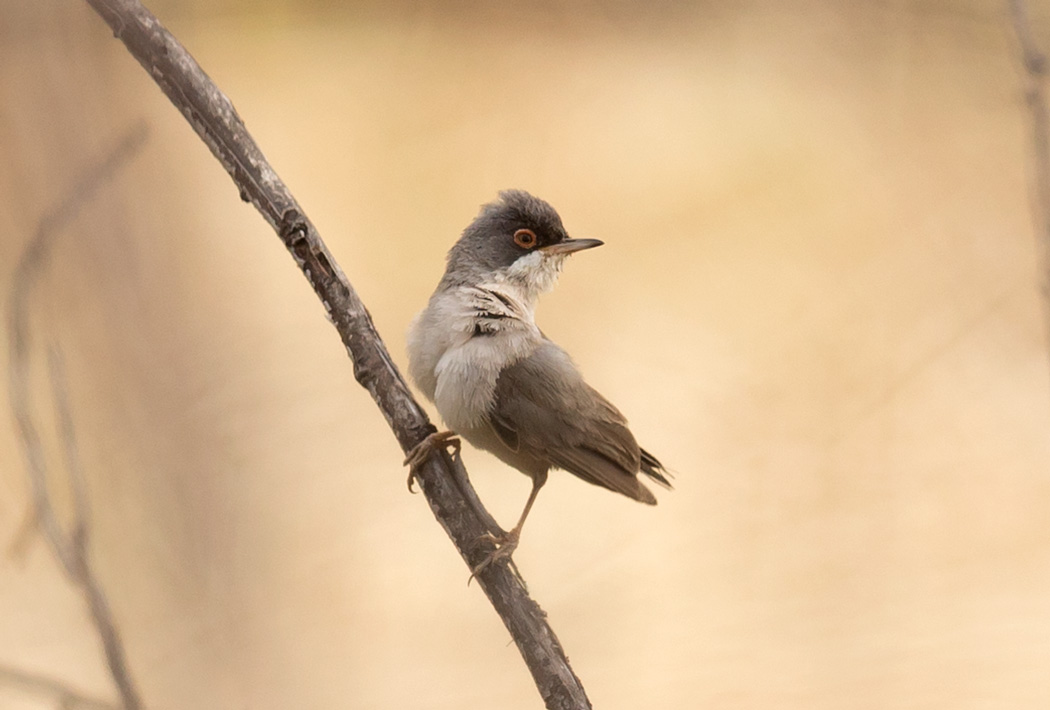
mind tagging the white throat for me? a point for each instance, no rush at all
(530, 276)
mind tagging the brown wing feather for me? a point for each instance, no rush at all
(544, 409)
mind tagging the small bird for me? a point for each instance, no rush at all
(498, 381)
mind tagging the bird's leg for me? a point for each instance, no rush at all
(422, 451)
(509, 542)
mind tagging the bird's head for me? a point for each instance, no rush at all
(518, 240)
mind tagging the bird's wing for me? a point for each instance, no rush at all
(543, 408)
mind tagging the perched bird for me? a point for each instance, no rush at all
(497, 381)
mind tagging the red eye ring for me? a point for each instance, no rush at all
(525, 238)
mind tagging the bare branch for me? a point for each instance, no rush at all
(70, 548)
(214, 119)
(65, 696)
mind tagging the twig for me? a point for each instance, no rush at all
(1035, 65)
(65, 696)
(213, 117)
(78, 536)
(70, 548)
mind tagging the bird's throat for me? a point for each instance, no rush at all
(531, 275)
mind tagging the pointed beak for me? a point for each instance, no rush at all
(569, 246)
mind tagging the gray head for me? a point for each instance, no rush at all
(519, 238)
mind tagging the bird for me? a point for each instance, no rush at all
(497, 381)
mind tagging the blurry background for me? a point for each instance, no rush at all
(817, 303)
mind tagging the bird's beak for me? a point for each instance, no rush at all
(568, 246)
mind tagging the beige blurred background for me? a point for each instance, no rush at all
(817, 304)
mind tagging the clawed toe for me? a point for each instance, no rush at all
(505, 546)
(422, 451)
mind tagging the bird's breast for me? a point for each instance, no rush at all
(467, 375)
(459, 345)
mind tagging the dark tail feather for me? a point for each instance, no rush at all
(655, 470)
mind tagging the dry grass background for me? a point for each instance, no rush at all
(817, 303)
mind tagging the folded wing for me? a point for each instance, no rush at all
(544, 409)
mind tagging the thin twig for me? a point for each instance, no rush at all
(1035, 65)
(213, 117)
(65, 696)
(78, 536)
(69, 547)
(101, 614)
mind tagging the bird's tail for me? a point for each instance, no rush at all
(655, 470)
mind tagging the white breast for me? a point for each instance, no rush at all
(453, 363)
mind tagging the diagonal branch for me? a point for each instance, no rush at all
(447, 491)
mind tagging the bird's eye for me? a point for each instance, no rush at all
(525, 238)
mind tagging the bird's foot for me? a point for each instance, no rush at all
(505, 546)
(422, 451)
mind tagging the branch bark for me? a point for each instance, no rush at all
(447, 490)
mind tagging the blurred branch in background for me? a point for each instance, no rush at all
(448, 491)
(69, 546)
(65, 698)
(1035, 95)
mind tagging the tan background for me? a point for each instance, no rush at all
(817, 304)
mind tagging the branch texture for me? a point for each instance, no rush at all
(449, 493)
